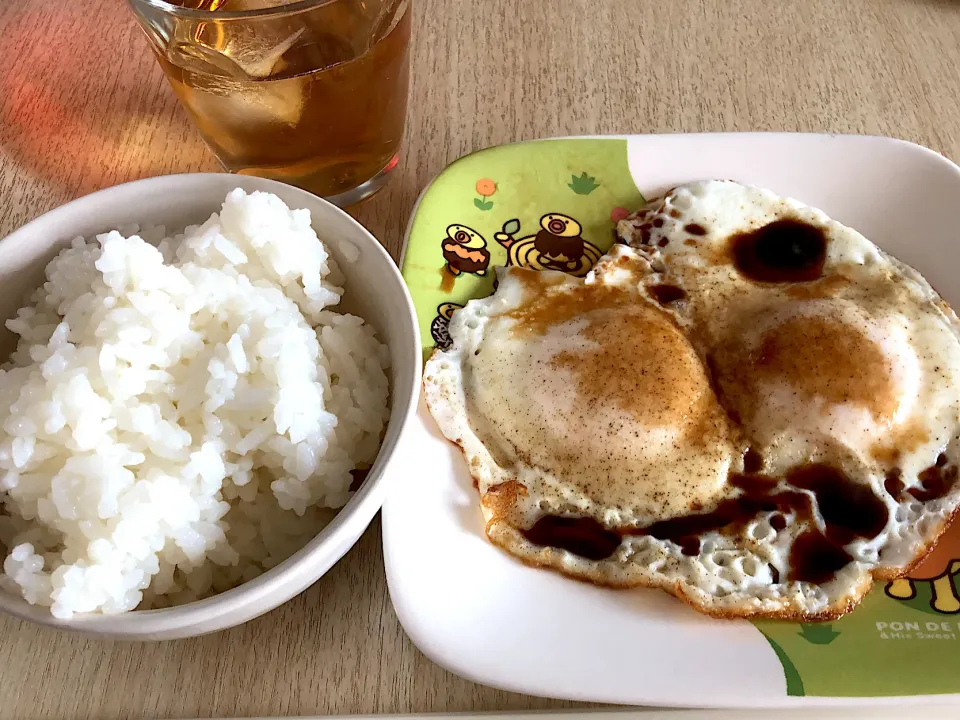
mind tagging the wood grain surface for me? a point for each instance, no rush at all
(83, 105)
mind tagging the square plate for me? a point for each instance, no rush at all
(475, 610)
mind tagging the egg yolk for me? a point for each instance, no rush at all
(597, 386)
(810, 373)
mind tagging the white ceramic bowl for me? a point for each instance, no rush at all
(374, 290)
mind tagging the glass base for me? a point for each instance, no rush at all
(309, 182)
(364, 190)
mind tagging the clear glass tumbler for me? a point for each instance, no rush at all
(312, 92)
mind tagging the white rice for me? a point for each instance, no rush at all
(176, 421)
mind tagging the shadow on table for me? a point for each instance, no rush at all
(83, 103)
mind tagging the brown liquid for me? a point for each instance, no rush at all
(936, 480)
(814, 559)
(447, 279)
(849, 510)
(323, 109)
(730, 515)
(783, 251)
(582, 536)
(894, 485)
(753, 483)
(665, 294)
(752, 461)
(644, 231)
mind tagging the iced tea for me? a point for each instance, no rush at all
(313, 94)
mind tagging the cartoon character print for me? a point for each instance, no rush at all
(938, 569)
(465, 251)
(439, 328)
(557, 245)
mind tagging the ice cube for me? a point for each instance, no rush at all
(259, 62)
(234, 49)
(231, 105)
(204, 60)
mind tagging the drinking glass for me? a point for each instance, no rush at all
(312, 92)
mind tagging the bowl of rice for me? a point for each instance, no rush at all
(204, 380)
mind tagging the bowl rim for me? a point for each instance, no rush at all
(361, 507)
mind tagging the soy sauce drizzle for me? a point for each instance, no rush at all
(780, 252)
(935, 482)
(893, 484)
(665, 294)
(752, 461)
(582, 536)
(849, 510)
(814, 559)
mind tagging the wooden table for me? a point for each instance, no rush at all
(83, 106)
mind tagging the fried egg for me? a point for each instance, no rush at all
(747, 404)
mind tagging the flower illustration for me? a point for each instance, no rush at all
(485, 188)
